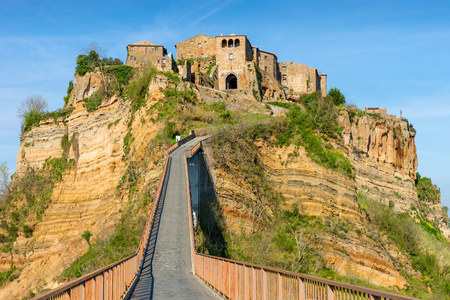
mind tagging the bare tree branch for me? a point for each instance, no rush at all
(32, 104)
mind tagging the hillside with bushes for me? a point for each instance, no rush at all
(308, 185)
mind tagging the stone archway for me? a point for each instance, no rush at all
(231, 82)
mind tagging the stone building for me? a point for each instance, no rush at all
(230, 62)
(301, 79)
(199, 46)
(266, 61)
(236, 58)
(146, 52)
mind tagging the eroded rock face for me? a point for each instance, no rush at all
(383, 152)
(84, 87)
(86, 198)
(318, 192)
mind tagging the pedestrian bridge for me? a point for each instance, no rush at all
(167, 266)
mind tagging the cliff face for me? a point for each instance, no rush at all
(383, 152)
(318, 192)
(384, 155)
(87, 197)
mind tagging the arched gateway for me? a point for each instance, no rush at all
(231, 82)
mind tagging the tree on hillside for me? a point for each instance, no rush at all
(32, 104)
(30, 110)
(94, 59)
(338, 97)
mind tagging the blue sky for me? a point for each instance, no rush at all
(392, 54)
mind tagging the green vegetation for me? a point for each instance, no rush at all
(107, 250)
(109, 247)
(127, 141)
(302, 128)
(338, 97)
(122, 75)
(138, 89)
(283, 104)
(409, 237)
(353, 113)
(9, 275)
(33, 190)
(94, 101)
(426, 190)
(87, 63)
(86, 235)
(208, 72)
(69, 90)
(33, 111)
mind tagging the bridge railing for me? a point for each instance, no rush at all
(240, 280)
(113, 281)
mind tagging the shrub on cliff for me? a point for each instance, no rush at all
(31, 110)
(338, 97)
(426, 190)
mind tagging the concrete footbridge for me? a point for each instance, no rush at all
(167, 266)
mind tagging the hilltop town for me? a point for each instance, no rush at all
(333, 188)
(231, 63)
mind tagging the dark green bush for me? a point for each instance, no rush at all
(27, 231)
(127, 141)
(122, 73)
(33, 118)
(338, 97)
(69, 90)
(94, 101)
(426, 190)
(138, 89)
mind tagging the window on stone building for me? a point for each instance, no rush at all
(131, 57)
(284, 67)
(203, 55)
(156, 48)
(199, 45)
(224, 43)
(131, 48)
(265, 68)
(231, 56)
(236, 43)
(284, 77)
(192, 42)
(164, 61)
(265, 56)
(192, 56)
(145, 50)
(230, 43)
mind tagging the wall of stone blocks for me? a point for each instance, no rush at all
(233, 60)
(268, 63)
(197, 47)
(323, 84)
(139, 55)
(299, 78)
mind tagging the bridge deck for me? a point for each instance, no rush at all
(167, 266)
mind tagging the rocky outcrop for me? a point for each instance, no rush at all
(383, 152)
(318, 192)
(87, 197)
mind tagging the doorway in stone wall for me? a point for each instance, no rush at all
(231, 82)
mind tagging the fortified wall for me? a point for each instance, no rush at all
(229, 62)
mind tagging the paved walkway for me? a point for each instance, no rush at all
(167, 268)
